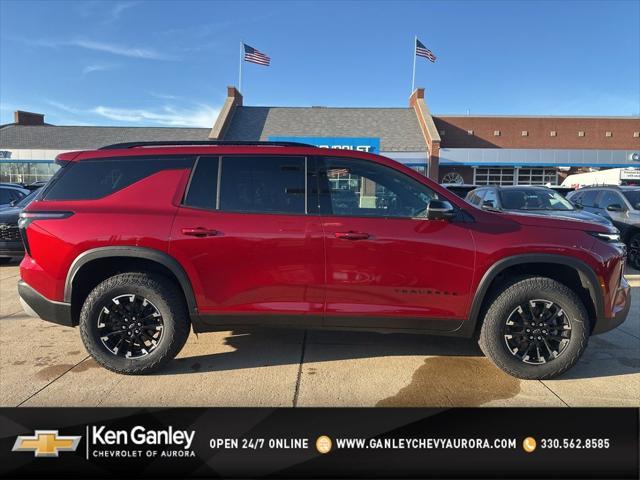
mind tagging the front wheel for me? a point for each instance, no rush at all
(536, 329)
(134, 323)
(634, 251)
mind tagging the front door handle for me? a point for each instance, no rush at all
(352, 235)
(199, 232)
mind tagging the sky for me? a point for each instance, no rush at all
(167, 63)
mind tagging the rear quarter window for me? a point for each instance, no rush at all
(93, 179)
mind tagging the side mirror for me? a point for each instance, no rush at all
(440, 210)
(13, 203)
(615, 207)
(490, 204)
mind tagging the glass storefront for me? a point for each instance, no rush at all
(27, 172)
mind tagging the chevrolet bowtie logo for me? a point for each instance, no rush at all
(45, 443)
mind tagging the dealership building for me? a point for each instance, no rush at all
(473, 149)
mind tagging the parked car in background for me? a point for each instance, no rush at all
(10, 241)
(460, 189)
(621, 205)
(534, 200)
(10, 192)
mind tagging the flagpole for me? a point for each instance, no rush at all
(240, 74)
(413, 77)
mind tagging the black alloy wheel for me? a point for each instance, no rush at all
(537, 331)
(130, 326)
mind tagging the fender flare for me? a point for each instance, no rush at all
(157, 256)
(588, 278)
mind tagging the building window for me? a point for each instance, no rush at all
(608, 134)
(553, 133)
(525, 133)
(537, 176)
(581, 133)
(496, 133)
(469, 132)
(493, 176)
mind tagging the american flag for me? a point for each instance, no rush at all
(254, 56)
(423, 51)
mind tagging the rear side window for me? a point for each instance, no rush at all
(263, 184)
(93, 179)
(203, 188)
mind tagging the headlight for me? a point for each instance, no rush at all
(607, 237)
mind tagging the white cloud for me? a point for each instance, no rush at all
(107, 47)
(119, 8)
(115, 49)
(200, 116)
(97, 68)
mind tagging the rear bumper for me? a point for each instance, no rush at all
(37, 305)
(621, 307)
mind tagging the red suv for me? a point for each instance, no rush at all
(139, 243)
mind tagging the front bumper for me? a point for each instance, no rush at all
(11, 249)
(37, 305)
(621, 307)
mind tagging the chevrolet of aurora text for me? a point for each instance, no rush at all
(139, 243)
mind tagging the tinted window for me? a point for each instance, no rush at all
(475, 197)
(92, 179)
(610, 198)
(533, 199)
(263, 184)
(203, 188)
(588, 198)
(634, 198)
(361, 188)
(6, 195)
(492, 197)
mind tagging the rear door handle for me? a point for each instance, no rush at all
(199, 232)
(352, 235)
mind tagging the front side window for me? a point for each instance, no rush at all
(491, 197)
(610, 198)
(475, 197)
(360, 188)
(588, 199)
(263, 184)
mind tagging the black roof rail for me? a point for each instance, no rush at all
(122, 146)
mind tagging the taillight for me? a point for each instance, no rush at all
(26, 218)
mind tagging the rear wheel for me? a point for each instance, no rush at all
(537, 328)
(134, 323)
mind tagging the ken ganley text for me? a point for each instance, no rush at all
(168, 442)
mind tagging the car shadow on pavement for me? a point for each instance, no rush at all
(262, 347)
(272, 347)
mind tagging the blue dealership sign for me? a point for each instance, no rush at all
(361, 144)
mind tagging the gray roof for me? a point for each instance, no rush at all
(86, 138)
(397, 128)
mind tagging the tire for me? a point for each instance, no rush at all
(534, 295)
(634, 251)
(101, 310)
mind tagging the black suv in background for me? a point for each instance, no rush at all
(621, 205)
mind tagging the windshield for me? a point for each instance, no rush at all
(533, 199)
(634, 198)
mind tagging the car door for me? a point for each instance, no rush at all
(244, 236)
(388, 267)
